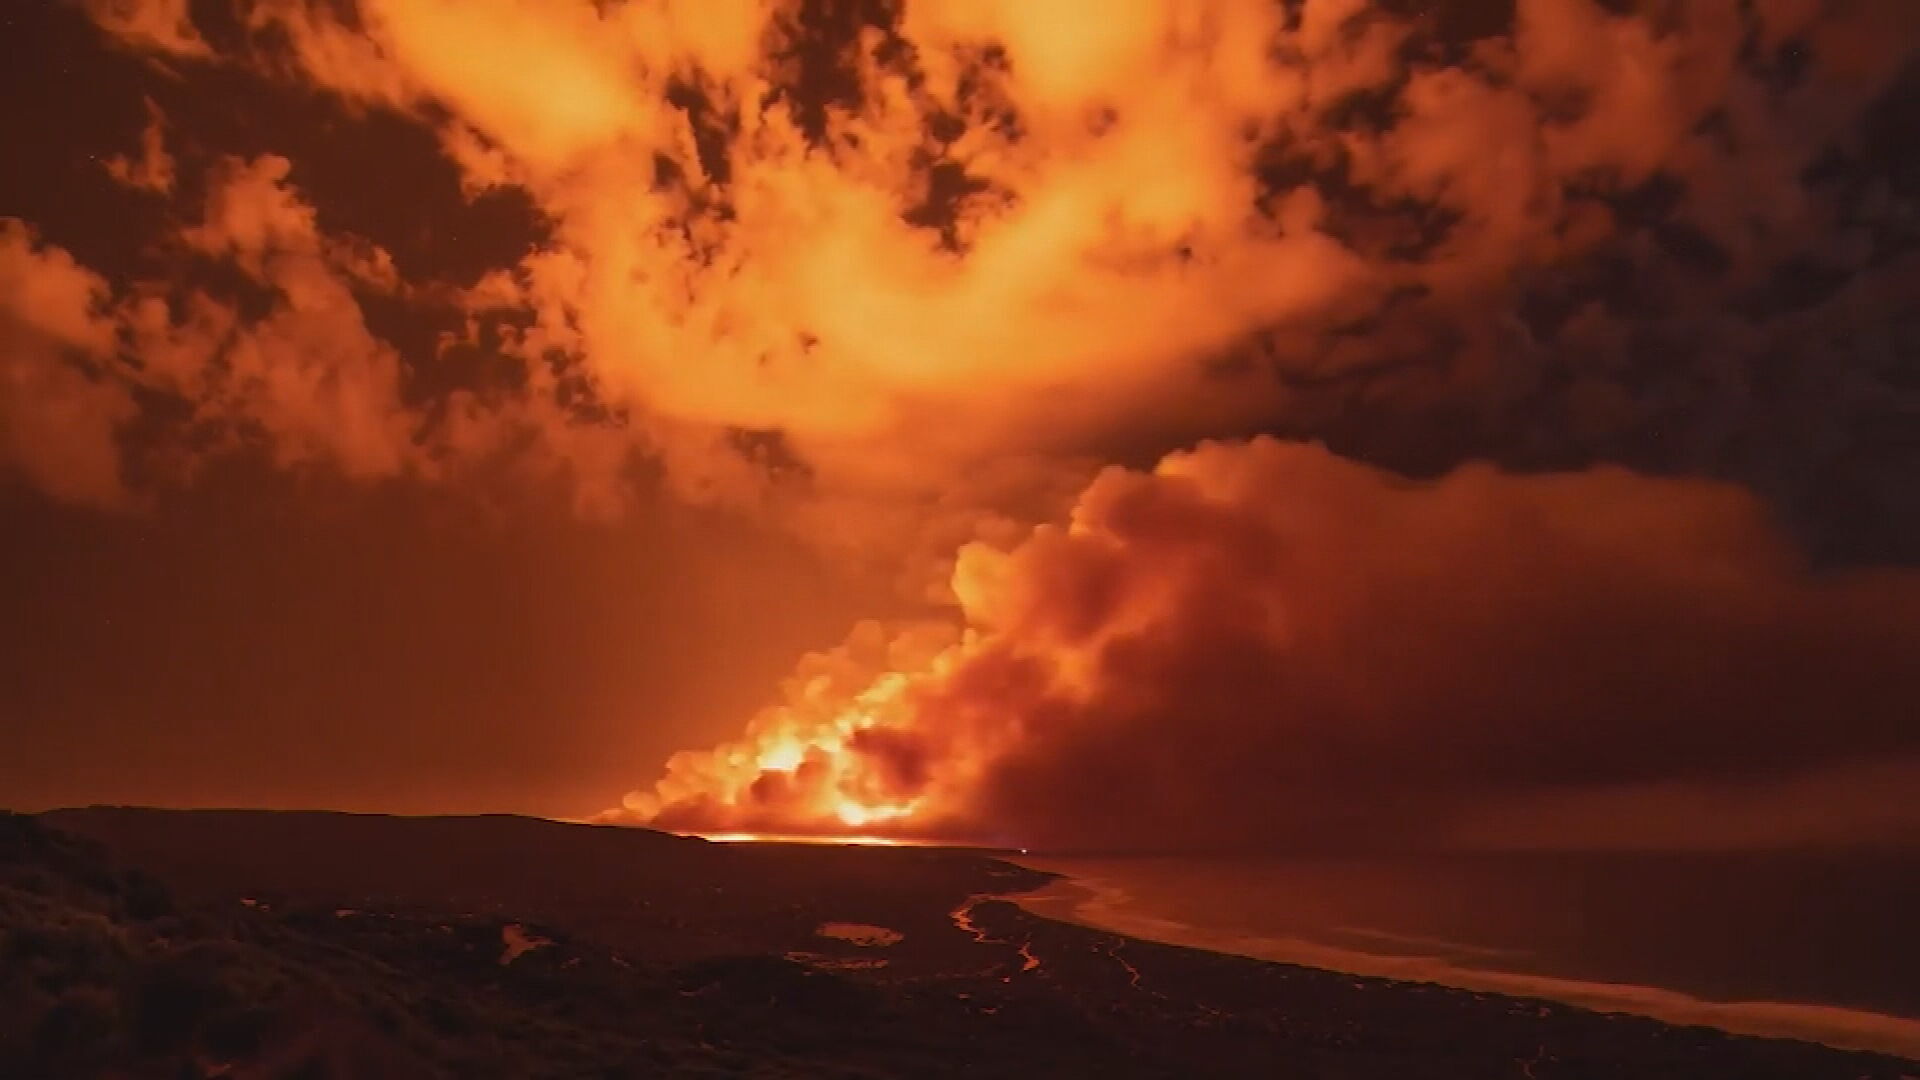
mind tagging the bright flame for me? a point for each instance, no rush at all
(781, 838)
(850, 752)
(783, 756)
(852, 813)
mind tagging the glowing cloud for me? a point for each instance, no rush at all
(57, 416)
(882, 256)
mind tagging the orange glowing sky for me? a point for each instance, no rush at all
(1251, 419)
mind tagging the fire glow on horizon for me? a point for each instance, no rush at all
(849, 839)
(1151, 670)
(900, 287)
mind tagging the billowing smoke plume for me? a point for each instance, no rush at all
(1265, 645)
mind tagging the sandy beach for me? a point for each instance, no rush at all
(1105, 905)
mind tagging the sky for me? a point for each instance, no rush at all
(1230, 423)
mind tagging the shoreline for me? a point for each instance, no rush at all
(1093, 904)
(511, 947)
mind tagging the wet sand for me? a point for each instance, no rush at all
(1103, 905)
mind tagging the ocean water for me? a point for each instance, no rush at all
(1818, 946)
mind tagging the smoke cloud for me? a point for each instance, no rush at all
(57, 418)
(1264, 645)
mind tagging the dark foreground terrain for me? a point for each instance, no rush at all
(145, 943)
